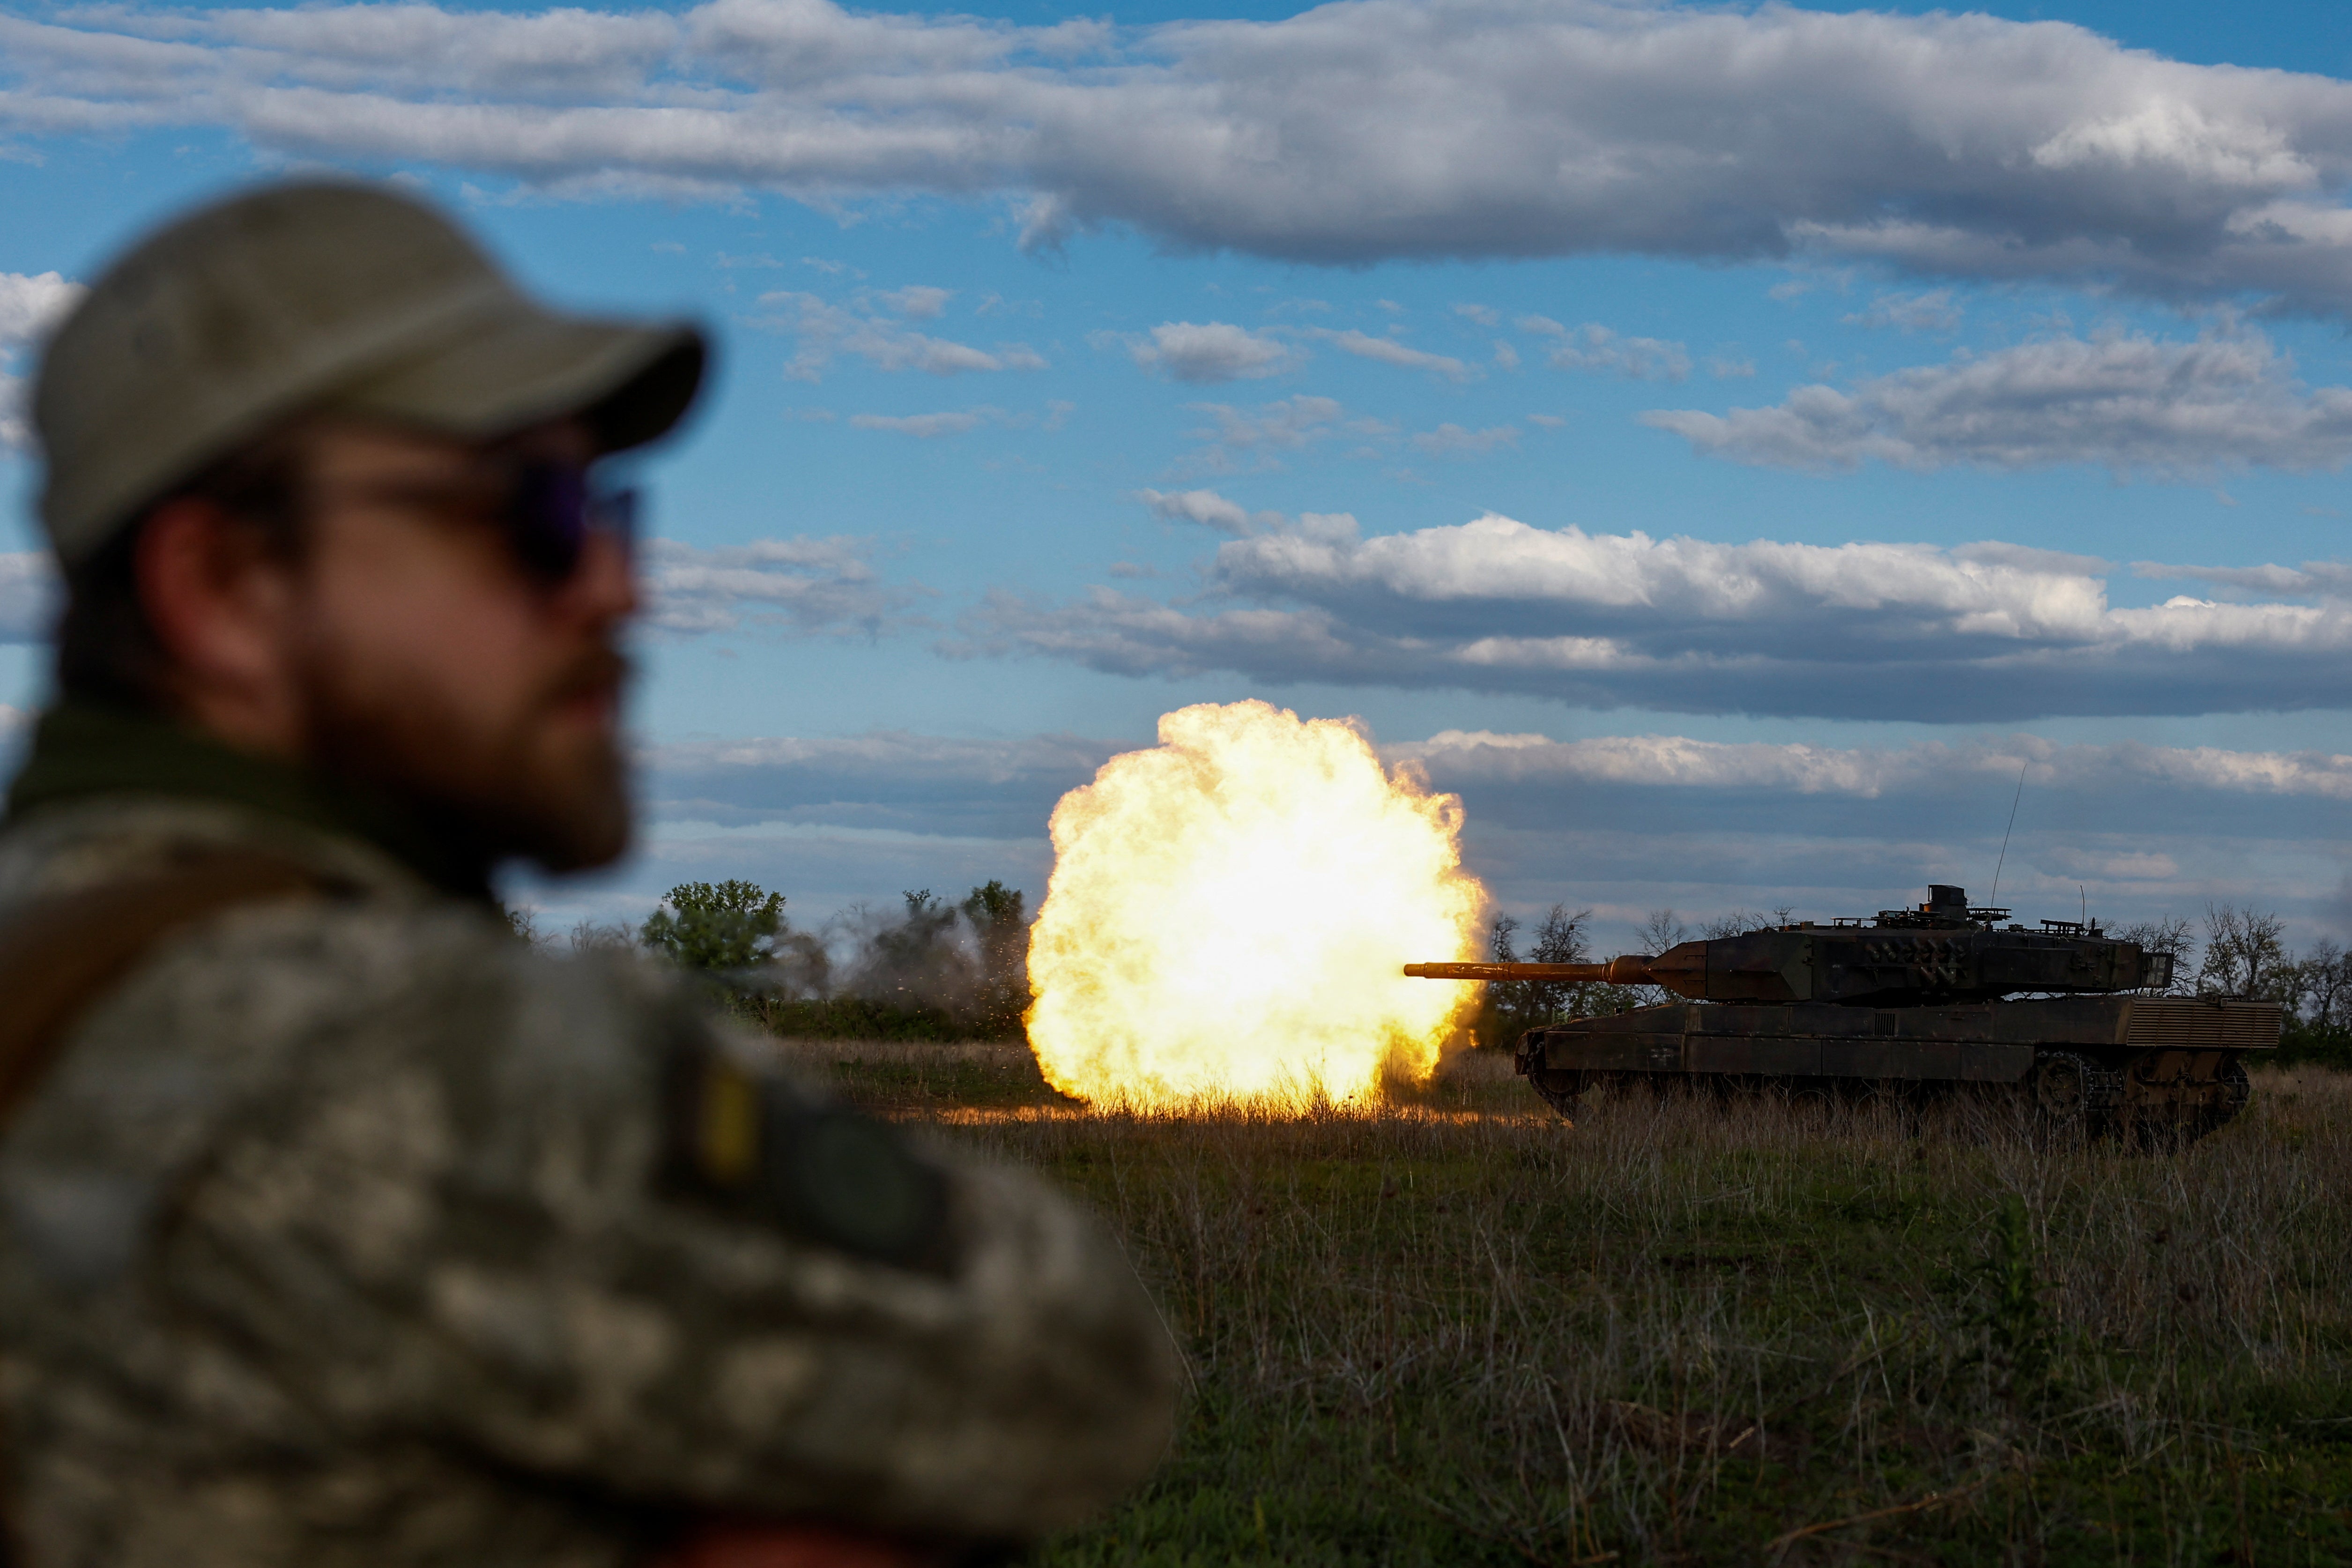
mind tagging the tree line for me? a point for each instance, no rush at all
(926, 971)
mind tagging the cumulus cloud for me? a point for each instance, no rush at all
(1211, 352)
(1598, 348)
(1949, 145)
(1388, 350)
(1982, 632)
(825, 330)
(1208, 509)
(802, 587)
(29, 305)
(2123, 401)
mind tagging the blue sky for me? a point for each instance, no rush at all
(1725, 444)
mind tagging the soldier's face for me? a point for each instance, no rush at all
(435, 665)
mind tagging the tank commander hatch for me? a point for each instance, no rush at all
(342, 1228)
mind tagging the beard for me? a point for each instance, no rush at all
(530, 783)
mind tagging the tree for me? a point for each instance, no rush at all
(1739, 922)
(1514, 1007)
(1000, 920)
(1662, 931)
(2244, 955)
(2166, 934)
(727, 925)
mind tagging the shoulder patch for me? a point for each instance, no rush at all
(758, 1145)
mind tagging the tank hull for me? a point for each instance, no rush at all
(2125, 1059)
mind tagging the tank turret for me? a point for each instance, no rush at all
(1943, 951)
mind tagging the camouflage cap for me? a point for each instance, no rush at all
(328, 296)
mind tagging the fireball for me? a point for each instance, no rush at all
(1230, 913)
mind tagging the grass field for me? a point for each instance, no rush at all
(1461, 1331)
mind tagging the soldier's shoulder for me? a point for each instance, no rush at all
(276, 998)
(108, 837)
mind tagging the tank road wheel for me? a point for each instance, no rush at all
(2063, 1092)
(2236, 1089)
(1560, 1091)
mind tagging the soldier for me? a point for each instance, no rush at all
(342, 1228)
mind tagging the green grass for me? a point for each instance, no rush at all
(1461, 1331)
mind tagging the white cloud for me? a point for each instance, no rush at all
(1212, 351)
(917, 301)
(1208, 509)
(883, 779)
(1285, 425)
(1982, 632)
(1388, 350)
(1930, 312)
(2124, 402)
(825, 330)
(1485, 315)
(1950, 145)
(2312, 579)
(1450, 441)
(1598, 348)
(29, 305)
(802, 585)
(27, 596)
(1458, 759)
(924, 425)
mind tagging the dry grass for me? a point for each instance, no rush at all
(1452, 1332)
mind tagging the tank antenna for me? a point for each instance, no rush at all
(1995, 901)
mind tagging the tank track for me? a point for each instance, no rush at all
(2147, 1099)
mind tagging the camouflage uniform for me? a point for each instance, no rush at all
(342, 1235)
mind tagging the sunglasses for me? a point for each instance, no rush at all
(545, 511)
(552, 510)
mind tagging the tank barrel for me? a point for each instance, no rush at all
(1631, 970)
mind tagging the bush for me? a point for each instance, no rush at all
(726, 925)
(914, 978)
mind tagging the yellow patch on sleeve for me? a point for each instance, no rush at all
(729, 1134)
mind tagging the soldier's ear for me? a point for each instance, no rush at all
(220, 602)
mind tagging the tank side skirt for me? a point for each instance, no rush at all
(1976, 1042)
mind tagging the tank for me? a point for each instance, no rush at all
(2064, 1020)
